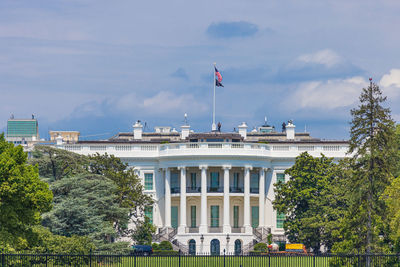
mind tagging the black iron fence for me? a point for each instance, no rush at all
(179, 260)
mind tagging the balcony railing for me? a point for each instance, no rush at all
(215, 229)
(236, 189)
(175, 190)
(193, 189)
(192, 229)
(213, 189)
(254, 190)
(237, 229)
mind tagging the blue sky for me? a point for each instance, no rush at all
(97, 66)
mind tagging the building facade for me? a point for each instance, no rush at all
(67, 136)
(22, 131)
(213, 191)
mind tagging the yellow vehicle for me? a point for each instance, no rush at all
(295, 248)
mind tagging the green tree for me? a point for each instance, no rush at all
(143, 233)
(95, 196)
(308, 201)
(56, 164)
(129, 187)
(86, 205)
(392, 200)
(23, 196)
(373, 148)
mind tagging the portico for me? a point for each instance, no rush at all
(230, 199)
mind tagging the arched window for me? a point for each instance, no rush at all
(192, 247)
(215, 247)
(238, 247)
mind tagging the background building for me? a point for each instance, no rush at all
(67, 136)
(22, 131)
(212, 190)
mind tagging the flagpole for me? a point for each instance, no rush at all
(214, 127)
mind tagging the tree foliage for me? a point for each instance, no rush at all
(143, 233)
(95, 196)
(310, 201)
(374, 150)
(23, 196)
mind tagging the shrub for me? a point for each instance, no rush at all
(165, 252)
(155, 246)
(165, 245)
(261, 247)
(255, 253)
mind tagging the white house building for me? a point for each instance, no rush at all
(213, 191)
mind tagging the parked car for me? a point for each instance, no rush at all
(142, 250)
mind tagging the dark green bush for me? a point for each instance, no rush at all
(262, 247)
(165, 252)
(165, 245)
(155, 246)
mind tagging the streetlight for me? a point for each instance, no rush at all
(228, 238)
(202, 238)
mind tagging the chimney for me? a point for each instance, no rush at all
(243, 130)
(137, 130)
(290, 130)
(185, 130)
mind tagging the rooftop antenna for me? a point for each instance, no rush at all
(305, 128)
(185, 120)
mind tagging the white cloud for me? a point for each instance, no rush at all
(329, 94)
(161, 103)
(325, 57)
(391, 83)
(393, 78)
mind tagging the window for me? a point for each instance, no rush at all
(148, 212)
(236, 180)
(254, 216)
(193, 180)
(174, 216)
(235, 216)
(175, 188)
(148, 181)
(214, 216)
(280, 218)
(254, 182)
(214, 180)
(193, 216)
(280, 177)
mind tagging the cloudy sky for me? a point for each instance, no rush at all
(97, 66)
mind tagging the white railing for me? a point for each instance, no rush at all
(211, 148)
(123, 148)
(73, 148)
(280, 148)
(305, 148)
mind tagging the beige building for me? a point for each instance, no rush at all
(67, 136)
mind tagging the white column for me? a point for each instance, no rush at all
(261, 198)
(167, 222)
(182, 225)
(246, 224)
(226, 227)
(203, 218)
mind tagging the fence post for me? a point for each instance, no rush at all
(90, 258)
(314, 260)
(134, 259)
(224, 257)
(2, 259)
(269, 259)
(179, 257)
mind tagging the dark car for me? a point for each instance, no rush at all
(142, 250)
